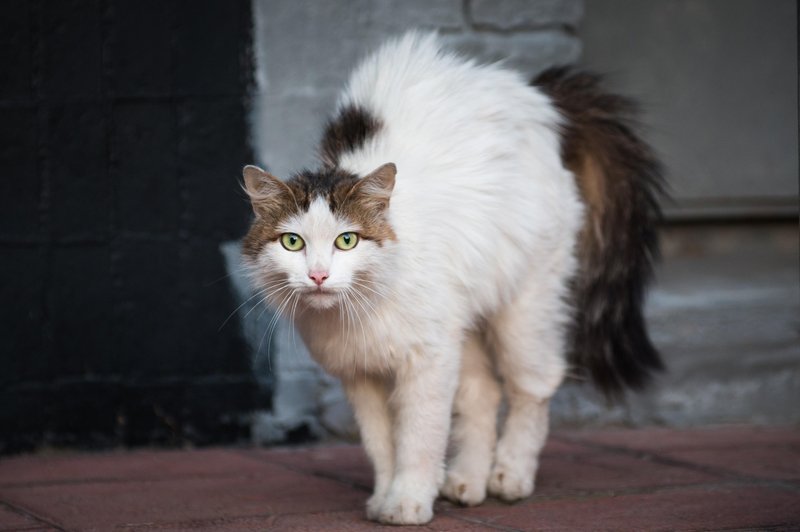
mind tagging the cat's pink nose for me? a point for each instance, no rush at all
(318, 277)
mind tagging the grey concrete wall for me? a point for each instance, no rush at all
(718, 83)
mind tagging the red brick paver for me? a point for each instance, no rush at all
(647, 479)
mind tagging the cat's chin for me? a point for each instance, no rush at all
(320, 300)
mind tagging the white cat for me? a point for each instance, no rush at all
(464, 229)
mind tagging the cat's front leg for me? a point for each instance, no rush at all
(474, 429)
(422, 401)
(370, 400)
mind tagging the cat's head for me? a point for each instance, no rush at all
(320, 237)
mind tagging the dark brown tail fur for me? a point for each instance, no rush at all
(620, 181)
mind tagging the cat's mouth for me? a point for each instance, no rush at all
(320, 290)
(320, 297)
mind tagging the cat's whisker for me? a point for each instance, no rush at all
(346, 317)
(258, 293)
(265, 301)
(380, 319)
(245, 269)
(292, 321)
(349, 290)
(273, 323)
(365, 283)
(350, 324)
(367, 302)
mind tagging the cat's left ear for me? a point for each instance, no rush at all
(377, 186)
(268, 194)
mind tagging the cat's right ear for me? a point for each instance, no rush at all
(266, 192)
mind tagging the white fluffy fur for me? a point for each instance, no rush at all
(473, 288)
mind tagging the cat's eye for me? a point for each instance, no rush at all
(292, 241)
(346, 241)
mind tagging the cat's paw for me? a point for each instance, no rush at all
(463, 489)
(374, 505)
(405, 508)
(510, 484)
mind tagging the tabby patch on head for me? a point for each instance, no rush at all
(319, 233)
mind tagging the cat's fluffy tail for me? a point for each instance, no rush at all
(621, 181)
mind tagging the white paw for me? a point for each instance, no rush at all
(462, 489)
(510, 484)
(404, 508)
(374, 505)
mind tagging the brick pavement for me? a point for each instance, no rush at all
(724, 478)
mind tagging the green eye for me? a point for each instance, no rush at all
(292, 242)
(346, 241)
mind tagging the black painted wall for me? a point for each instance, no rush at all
(122, 136)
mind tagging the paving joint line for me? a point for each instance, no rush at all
(779, 527)
(674, 462)
(476, 521)
(32, 515)
(113, 480)
(194, 523)
(313, 473)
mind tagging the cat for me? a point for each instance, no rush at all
(468, 236)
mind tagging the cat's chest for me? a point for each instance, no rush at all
(350, 344)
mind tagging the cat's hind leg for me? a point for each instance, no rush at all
(528, 340)
(474, 427)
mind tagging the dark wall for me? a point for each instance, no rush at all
(122, 136)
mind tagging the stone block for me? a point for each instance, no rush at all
(24, 337)
(211, 162)
(524, 14)
(10, 520)
(145, 167)
(691, 508)
(387, 17)
(140, 47)
(530, 53)
(148, 310)
(346, 462)
(663, 440)
(218, 409)
(72, 62)
(209, 58)
(306, 45)
(287, 129)
(21, 185)
(212, 348)
(204, 501)
(81, 301)
(80, 188)
(16, 45)
(748, 460)
(559, 475)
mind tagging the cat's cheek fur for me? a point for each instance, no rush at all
(277, 260)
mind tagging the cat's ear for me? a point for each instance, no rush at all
(266, 191)
(377, 186)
